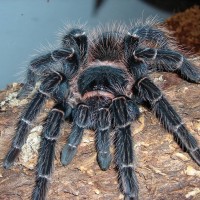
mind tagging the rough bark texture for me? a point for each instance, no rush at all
(163, 170)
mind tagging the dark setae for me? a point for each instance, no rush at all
(97, 82)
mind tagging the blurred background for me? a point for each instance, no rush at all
(27, 25)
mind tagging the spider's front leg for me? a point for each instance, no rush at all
(103, 138)
(82, 120)
(50, 134)
(52, 86)
(55, 118)
(124, 111)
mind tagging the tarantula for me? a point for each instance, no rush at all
(98, 82)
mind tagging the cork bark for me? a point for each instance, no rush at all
(164, 172)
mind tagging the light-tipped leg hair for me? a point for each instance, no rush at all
(125, 111)
(44, 65)
(148, 32)
(80, 121)
(150, 93)
(52, 86)
(103, 138)
(145, 90)
(170, 61)
(50, 134)
(68, 57)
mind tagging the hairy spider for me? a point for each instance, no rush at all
(97, 82)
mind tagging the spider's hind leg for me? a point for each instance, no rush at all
(147, 91)
(29, 85)
(158, 58)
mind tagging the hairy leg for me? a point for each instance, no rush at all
(170, 61)
(52, 86)
(124, 111)
(50, 134)
(80, 121)
(150, 93)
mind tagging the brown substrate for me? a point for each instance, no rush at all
(186, 28)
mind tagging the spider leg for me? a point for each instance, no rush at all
(50, 134)
(55, 84)
(103, 139)
(73, 141)
(170, 61)
(124, 111)
(103, 148)
(146, 32)
(72, 51)
(149, 92)
(43, 65)
(52, 86)
(37, 66)
(80, 121)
